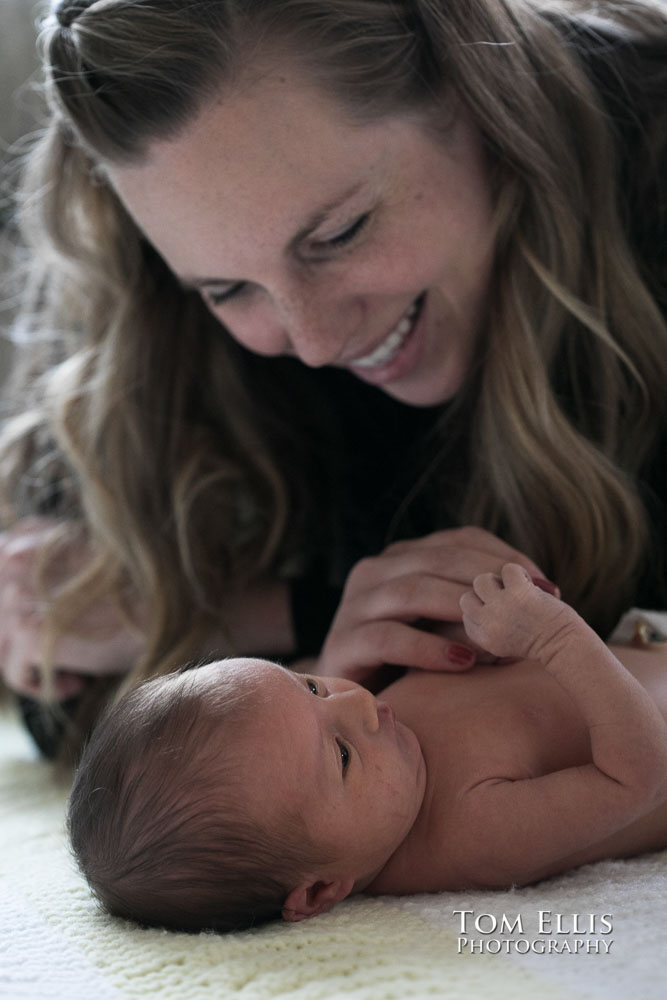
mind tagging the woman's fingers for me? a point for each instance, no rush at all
(441, 561)
(406, 597)
(18, 667)
(20, 625)
(403, 606)
(463, 547)
(68, 684)
(389, 642)
(416, 583)
(104, 642)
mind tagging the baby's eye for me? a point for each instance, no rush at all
(344, 755)
(312, 686)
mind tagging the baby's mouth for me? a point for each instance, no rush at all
(386, 351)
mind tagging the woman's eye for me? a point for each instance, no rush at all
(344, 755)
(217, 298)
(347, 235)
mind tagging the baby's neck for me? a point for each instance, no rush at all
(397, 859)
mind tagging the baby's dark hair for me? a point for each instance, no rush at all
(158, 819)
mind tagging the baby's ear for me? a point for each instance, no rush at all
(310, 899)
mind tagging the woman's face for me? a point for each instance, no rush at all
(364, 247)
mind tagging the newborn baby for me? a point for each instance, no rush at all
(234, 793)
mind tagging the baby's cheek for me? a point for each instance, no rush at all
(393, 783)
(382, 780)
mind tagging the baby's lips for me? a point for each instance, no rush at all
(546, 585)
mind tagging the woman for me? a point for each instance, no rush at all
(310, 277)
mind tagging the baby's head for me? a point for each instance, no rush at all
(224, 796)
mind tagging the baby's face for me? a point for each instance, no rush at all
(336, 755)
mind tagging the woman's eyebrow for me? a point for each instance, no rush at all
(313, 221)
(194, 284)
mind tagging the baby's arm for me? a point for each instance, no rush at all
(524, 826)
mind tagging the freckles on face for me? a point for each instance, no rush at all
(365, 248)
(326, 751)
(370, 813)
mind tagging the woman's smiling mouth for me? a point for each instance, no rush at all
(379, 364)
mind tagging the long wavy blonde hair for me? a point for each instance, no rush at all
(182, 458)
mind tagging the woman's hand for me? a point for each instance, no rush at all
(402, 607)
(105, 644)
(256, 620)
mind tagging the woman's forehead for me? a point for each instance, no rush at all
(248, 172)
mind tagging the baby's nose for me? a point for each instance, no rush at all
(364, 705)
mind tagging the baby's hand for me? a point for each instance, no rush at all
(509, 616)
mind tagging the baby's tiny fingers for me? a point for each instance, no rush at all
(471, 606)
(487, 585)
(513, 575)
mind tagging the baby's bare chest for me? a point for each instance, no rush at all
(504, 722)
(491, 717)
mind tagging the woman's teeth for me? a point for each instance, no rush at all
(392, 343)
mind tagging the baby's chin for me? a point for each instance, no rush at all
(413, 750)
(412, 737)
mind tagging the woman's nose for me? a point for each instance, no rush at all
(300, 323)
(312, 338)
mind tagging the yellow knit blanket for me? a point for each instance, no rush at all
(55, 944)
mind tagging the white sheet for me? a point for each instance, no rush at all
(55, 944)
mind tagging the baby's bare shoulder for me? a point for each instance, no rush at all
(501, 715)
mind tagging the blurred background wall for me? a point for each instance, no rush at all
(19, 115)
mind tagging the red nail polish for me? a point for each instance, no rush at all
(461, 655)
(546, 585)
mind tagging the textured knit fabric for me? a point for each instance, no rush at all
(55, 943)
